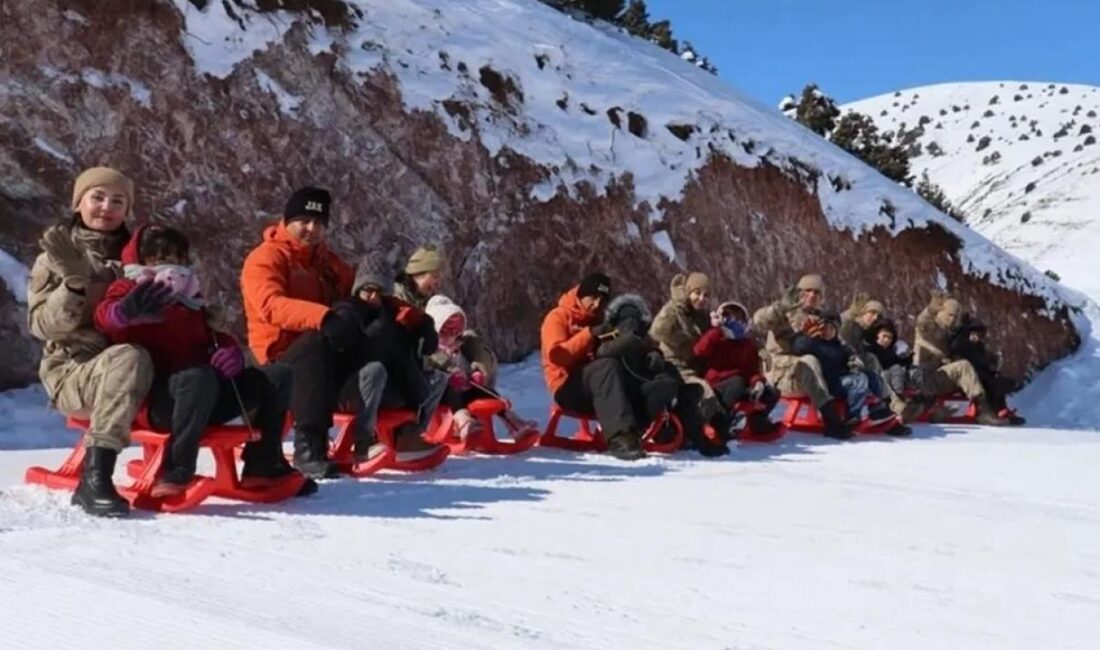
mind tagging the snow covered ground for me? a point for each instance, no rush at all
(961, 537)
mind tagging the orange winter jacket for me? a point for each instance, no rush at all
(287, 289)
(567, 343)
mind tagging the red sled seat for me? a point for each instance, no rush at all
(589, 438)
(221, 440)
(341, 449)
(801, 415)
(485, 441)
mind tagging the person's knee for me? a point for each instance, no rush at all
(200, 381)
(280, 376)
(129, 368)
(373, 374)
(808, 363)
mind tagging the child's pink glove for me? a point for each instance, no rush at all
(715, 318)
(477, 377)
(458, 381)
(227, 361)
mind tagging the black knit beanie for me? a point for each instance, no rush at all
(595, 284)
(308, 203)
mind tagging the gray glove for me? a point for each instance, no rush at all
(67, 258)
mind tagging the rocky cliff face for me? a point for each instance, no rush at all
(346, 96)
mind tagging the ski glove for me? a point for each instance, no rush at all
(458, 382)
(145, 302)
(855, 364)
(227, 361)
(67, 258)
(716, 318)
(339, 330)
(478, 377)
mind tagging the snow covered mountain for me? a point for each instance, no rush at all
(1021, 159)
(531, 145)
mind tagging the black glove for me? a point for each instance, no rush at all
(340, 329)
(655, 363)
(145, 301)
(602, 330)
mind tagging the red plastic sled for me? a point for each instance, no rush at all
(342, 447)
(801, 415)
(589, 438)
(486, 441)
(749, 435)
(963, 410)
(221, 440)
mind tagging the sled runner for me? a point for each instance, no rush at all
(484, 441)
(801, 415)
(341, 449)
(221, 440)
(589, 438)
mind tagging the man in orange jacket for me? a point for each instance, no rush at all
(580, 382)
(288, 283)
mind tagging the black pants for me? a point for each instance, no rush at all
(996, 389)
(601, 387)
(187, 402)
(736, 389)
(320, 376)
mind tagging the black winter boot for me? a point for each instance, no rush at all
(96, 493)
(987, 416)
(626, 446)
(311, 454)
(835, 427)
(760, 423)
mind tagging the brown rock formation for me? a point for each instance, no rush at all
(217, 157)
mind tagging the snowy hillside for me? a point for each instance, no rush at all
(1021, 159)
(538, 75)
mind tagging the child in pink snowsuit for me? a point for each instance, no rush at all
(470, 364)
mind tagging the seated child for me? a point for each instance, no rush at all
(733, 367)
(843, 371)
(895, 357)
(659, 386)
(470, 367)
(969, 342)
(387, 339)
(200, 378)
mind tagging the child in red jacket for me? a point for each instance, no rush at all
(732, 361)
(159, 307)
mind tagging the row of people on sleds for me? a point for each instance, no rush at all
(606, 356)
(130, 341)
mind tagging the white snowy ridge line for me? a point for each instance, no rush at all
(591, 69)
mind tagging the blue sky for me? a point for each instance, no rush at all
(859, 48)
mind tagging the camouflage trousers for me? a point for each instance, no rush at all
(109, 389)
(797, 376)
